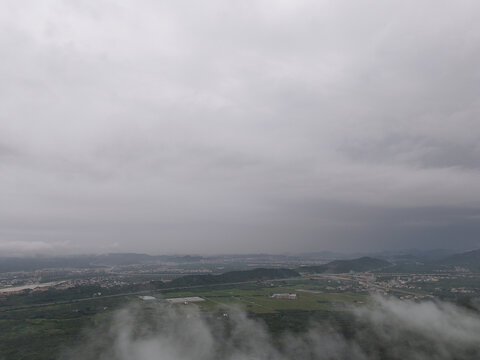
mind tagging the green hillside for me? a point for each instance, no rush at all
(233, 277)
(343, 266)
(469, 260)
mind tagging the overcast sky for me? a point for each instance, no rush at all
(239, 126)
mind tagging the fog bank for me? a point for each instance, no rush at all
(386, 328)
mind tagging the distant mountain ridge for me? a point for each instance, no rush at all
(362, 264)
(85, 261)
(409, 261)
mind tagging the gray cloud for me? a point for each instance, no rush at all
(418, 151)
(190, 127)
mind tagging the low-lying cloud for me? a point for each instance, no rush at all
(386, 328)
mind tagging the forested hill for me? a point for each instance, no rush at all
(233, 277)
(469, 259)
(343, 266)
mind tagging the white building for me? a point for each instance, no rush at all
(285, 296)
(185, 300)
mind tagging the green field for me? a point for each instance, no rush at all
(40, 332)
(257, 298)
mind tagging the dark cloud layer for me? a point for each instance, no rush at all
(253, 126)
